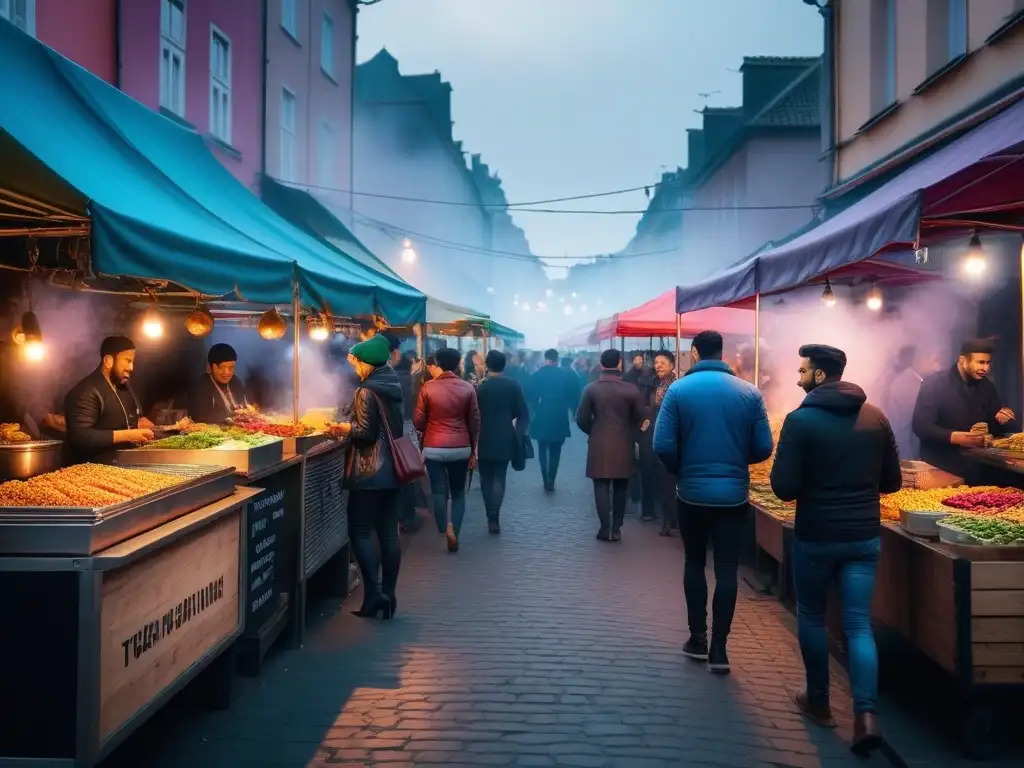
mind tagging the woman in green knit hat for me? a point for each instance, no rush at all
(374, 490)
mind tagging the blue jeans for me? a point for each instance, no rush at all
(448, 481)
(853, 565)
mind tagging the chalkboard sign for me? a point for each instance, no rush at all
(265, 538)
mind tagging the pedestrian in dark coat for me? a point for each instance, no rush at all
(553, 394)
(504, 421)
(610, 413)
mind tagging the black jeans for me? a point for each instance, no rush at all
(372, 512)
(650, 488)
(548, 456)
(611, 496)
(492, 484)
(665, 487)
(723, 528)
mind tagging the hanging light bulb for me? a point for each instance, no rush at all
(828, 296)
(271, 325)
(567, 309)
(408, 252)
(32, 337)
(317, 328)
(199, 322)
(874, 301)
(152, 323)
(975, 262)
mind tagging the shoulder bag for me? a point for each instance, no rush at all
(407, 459)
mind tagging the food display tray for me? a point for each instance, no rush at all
(922, 523)
(81, 531)
(246, 461)
(302, 445)
(925, 477)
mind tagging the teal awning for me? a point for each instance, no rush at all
(162, 207)
(504, 332)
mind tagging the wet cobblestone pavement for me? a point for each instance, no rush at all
(538, 647)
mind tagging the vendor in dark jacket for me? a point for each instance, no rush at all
(217, 395)
(101, 410)
(836, 454)
(951, 402)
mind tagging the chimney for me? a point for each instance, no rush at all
(720, 125)
(694, 148)
(765, 77)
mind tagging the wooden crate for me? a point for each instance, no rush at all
(997, 621)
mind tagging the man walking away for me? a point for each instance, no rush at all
(610, 412)
(836, 453)
(504, 421)
(711, 427)
(554, 393)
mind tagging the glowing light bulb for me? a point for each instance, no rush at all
(152, 325)
(34, 351)
(567, 309)
(828, 296)
(583, 309)
(975, 265)
(408, 252)
(874, 302)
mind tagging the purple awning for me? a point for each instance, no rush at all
(885, 219)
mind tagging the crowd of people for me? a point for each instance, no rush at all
(686, 445)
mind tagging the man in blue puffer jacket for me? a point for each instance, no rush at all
(712, 426)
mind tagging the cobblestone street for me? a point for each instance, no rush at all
(539, 647)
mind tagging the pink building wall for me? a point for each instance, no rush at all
(293, 62)
(241, 22)
(85, 31)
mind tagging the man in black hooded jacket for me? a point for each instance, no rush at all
(836, 453)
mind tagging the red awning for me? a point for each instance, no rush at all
(658, 318)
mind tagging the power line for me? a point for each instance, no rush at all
(641, 211)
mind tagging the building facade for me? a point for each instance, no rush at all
(405, 157)
(84, 31)
(309, 94)
(200, 64)
(912, 73)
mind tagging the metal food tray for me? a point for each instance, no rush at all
(949, 535)
(922, 523)
(82, 531)
(301, 445)
(246, 461)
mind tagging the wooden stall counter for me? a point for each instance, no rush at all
(94, 645)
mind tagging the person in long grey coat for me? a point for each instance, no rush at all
(610, 413)
(554, 393)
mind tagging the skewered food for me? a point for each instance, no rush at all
(251, 420)
(988, 530)
(84, 485)
(12, 433)
(337, 430)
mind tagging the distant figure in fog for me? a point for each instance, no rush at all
(473, 368)
(448, 417)
(900, 396)
(712, 426)
(515, 369)
(553, 395)
(836, 454)
(611, 412)
(504, 421)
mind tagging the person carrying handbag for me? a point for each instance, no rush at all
(377, 468)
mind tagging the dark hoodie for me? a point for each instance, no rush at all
(836, 454)
(372, 466)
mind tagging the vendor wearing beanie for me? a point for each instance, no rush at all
(216, 396)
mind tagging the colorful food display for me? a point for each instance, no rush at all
(12, 433)
(251, 420)
(84, 485)
(987, 530)
(199, 437)
(762, 496)
(1010, 443)
(760, 474)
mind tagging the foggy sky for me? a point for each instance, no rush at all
(569, 97)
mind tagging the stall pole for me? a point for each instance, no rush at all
(679, 339)
(757, 339)
(420, 340)
(296, 335)
(483, 342)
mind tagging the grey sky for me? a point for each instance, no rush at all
(570, 97)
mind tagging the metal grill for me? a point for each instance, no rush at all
(326, 510)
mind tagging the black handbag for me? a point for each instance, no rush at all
(524, 451)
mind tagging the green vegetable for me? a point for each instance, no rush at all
(193, 441)
(986, 529)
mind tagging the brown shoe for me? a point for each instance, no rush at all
(451, 539)
(819, 715)
(866, 735)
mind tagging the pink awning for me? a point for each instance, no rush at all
(658, 318)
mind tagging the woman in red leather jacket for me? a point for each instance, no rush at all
(448, 417)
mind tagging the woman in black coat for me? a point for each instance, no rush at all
(504, 425)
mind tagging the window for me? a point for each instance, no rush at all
(289, 18)
(172, 56)
(883, 55)
(327, 44)
(325, 156)
(21, 13)
(288, 111)
(956, 28)
(220, 85)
